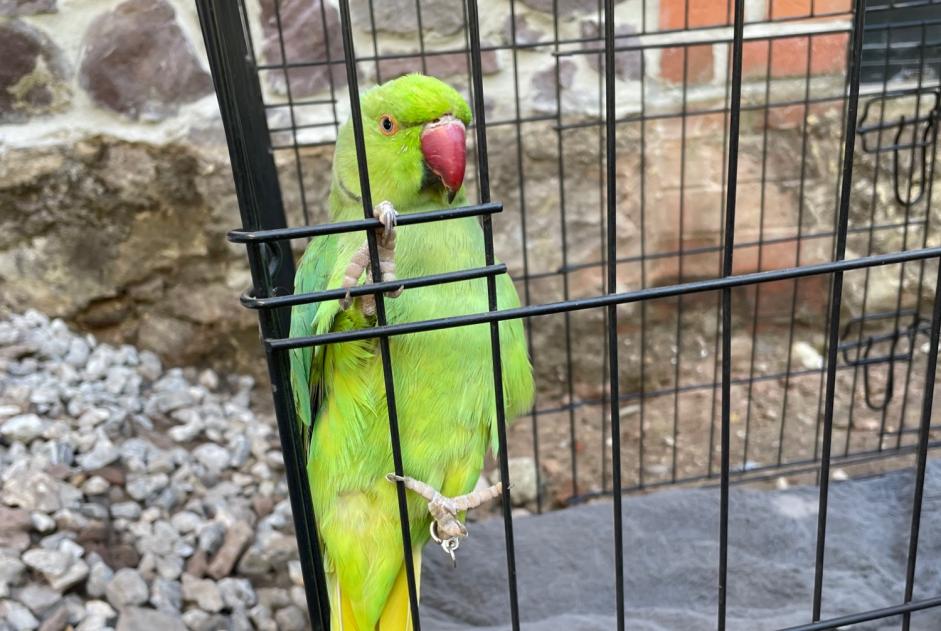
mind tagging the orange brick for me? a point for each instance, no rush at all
(789, 56)
(701, 13)
(822, 7)
(805, 8)
(829, 53)
(699, 65)
(789, 8)
(755, 59)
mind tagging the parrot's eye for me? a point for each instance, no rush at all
(388, 124)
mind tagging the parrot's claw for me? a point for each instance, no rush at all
(346, 301)
(385, 244)
(446, 529)
(386, 214)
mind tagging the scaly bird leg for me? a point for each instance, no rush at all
(359, 263)
(444, 509)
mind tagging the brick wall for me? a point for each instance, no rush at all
(779, 57)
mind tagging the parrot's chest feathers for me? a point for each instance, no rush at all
(450, 367)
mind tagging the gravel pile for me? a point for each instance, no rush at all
(133, 497)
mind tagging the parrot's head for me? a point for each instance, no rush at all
(414, 129)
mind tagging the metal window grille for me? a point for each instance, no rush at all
(878, 365)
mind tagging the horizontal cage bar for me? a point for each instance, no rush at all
(652, 293)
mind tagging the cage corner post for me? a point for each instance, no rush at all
(241, 106)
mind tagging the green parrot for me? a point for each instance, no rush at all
(414, 129)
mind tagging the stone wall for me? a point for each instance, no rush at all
(115, 190)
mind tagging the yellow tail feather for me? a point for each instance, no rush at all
(341, 609)
(397, 614)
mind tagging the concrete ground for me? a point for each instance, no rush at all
(566, 569)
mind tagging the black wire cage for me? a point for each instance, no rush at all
(719, 217)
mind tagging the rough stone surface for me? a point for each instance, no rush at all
(23, 428)
(203, 592)
(451, 66)
(237, 538)
(19, 617)
(306, 27)
(400, 17)
(138, 61)
(566, 8)
(99, 576)
(544, 85)
(32, 76)
(291, 619)
(90, 232)
(127, 587)
(526, 31)
(139, 618)
(237, 593)
(167, 595)
(49, 562)
(38, 598)
(58, 620)
(523, 487)
(13, 8)
(626, 63)
(11, 571)
(76, 572)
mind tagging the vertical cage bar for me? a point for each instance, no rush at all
(681, 256)
(602, 229)
(421, 37)
(298, 170)
(326, 47)
(849, 140)
(801, 205)
(927, 401)
(641, 434)
(610, 113)
(929, 192)
(717, 354)
(821, 403)
(901, 276)
(563, 238)
(765, 124)
(521, 191)
(873, 204)
(374, 36)
(728, 246)
(908, 207)
(356, 117)
(272, 266)
(483, 180)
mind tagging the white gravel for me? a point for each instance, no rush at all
(134, 497)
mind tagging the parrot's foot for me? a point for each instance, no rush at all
(447, 529)
(385, 244)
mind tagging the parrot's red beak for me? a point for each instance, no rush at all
(444, 147)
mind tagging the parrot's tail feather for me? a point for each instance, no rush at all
(341, 608)
(397, 614)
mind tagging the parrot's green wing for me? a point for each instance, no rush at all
(313, 274)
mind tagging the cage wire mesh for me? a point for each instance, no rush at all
(719, 216)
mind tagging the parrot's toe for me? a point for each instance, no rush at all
(446, 528)
(387, 215)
